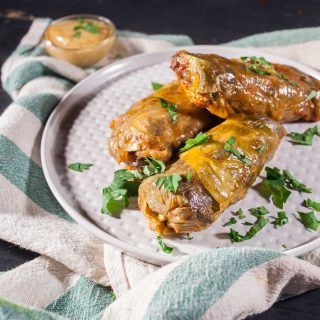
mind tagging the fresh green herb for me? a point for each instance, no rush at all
(189, 175)
(312, 94)
(285, 246)
(313, 204)
(236, 237)
(274, 186)
(171, 108)
(80, 167)
(163, 246)
(187, 237)
(282, 76)
(200, 138)
(294, 184)
(261, 149)
(305, 138)
(247, 223)
(170, 183)
(87, 26)
(230, 222)
(113, 296)
(239, 213)
(153, 166)
(236, 152)
(282, 219)
(116, 196)
(156, 86)
(309, 220)
(258, 212)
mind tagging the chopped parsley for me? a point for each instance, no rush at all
(170, 183)
(200, 138)
(230, 222)
(274, 186)
(312, 94)
(258, 212)
(313, 204)
(170, 107)
(156, 86)
(239, 213)
(255, 228)
(153, 166)
(84, 25)
(305, 138)
(187, 237)
(236, 152)
(261, 149)
(116, 196)
(80, 167)
(294, 184)
(309, 220)
(247, 223)
(189, 175)
(163, 246)
(282, 219)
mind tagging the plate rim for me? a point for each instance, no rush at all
(114, 69)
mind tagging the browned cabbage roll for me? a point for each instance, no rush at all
(218, 179)
(147, 130)
(227, 87)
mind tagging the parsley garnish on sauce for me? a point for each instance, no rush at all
(170, 107)
(256, 227)
(230, 222)
(80, 167)
(305, 138)
(170, 183)
(312, 94)
(236, 152)
(313, 204)
(156, 86)
(309, 220)
(163, 246)
(200, 138)
(86, 26)
(282, 219)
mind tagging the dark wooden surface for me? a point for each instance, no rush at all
(207, 22)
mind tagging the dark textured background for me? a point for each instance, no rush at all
(207, 22)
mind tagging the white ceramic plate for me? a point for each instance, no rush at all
(78, 131)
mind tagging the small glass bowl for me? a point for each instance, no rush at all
(82, 57)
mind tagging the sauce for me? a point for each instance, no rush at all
(80, 41)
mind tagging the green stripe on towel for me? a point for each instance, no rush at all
(197, 283)
(26, 175)
(86, 300)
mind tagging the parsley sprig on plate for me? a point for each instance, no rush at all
(79, 167)
(164, 247)
(305, 138)
(156, 86)
(313, 204)
(309, 220)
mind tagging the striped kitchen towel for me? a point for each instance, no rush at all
(77, 276)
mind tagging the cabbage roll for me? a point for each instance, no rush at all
(248, 85)
(213, 175)
(149, 130)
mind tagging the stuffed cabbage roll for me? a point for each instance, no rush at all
(248, 85)
(212, 176)
(154, 128)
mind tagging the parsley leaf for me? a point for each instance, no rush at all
(247, 223)
(187, 237)
(274, 186)
(230, 222)
(239, 213)
(163, 246)
(305, 138)
(312, 204)
(312, 94)
(171, 108)
(282, 219)
(236, 152)
(80, 167)
(87, 26)
(200, 138)
(153, 166)
(293, 184)
(116, 196)
(171, 183)
(236, 237)
(309, 220)
(189, 175)
(156, 86)
(258, 212)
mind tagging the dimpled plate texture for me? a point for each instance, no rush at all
(78, 131)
